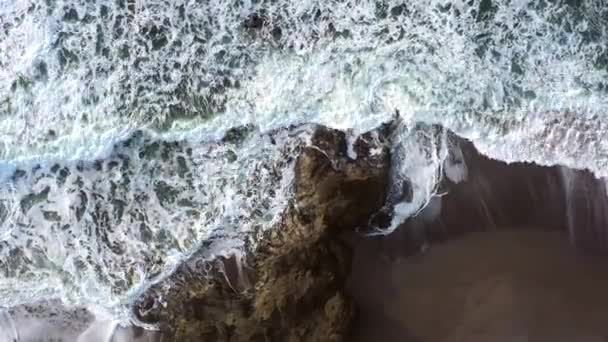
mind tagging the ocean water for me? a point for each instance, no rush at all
(112, 111)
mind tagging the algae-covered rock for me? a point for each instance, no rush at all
(289, 284)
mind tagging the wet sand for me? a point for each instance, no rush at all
(51, 321)
(513, 285)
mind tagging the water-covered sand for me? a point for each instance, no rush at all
(53, 322)
(508, 285)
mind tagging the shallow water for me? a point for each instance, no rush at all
(506, 285)
(54, 322)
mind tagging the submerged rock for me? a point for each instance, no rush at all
(289, 285)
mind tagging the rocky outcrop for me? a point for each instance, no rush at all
(300, 280)
(289, 285)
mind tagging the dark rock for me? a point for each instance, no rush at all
(237, 135)
(255, 21)
(290, 286)
(30, 200)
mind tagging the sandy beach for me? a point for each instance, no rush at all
(513, 285)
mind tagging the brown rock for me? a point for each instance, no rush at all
(290, 286)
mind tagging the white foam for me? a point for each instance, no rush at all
(455, 168)
(101, 232)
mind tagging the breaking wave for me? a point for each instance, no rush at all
(112, 115)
